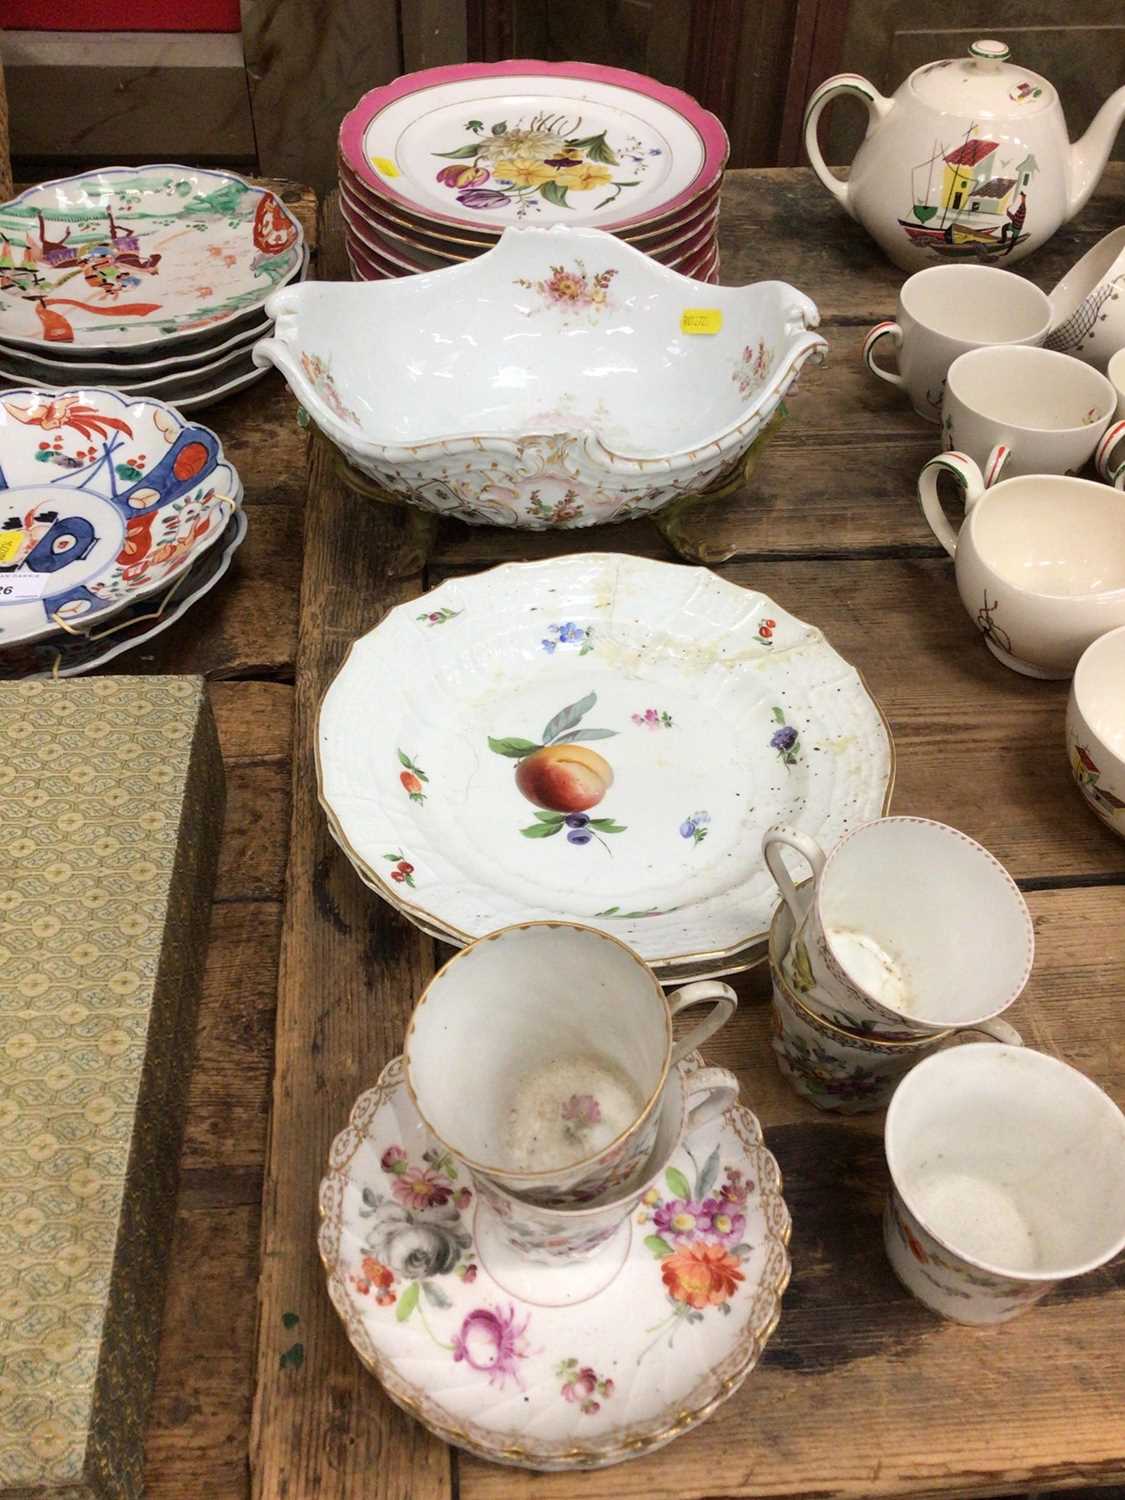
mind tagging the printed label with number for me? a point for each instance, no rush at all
(701, 320)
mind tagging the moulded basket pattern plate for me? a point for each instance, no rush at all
(625, 1365)
(485, 144)
(698, 713)
(139, 256)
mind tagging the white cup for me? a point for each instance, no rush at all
(1095, 728)
(1088, 304)
(944, 311)
(1109, 458)
(562, 1236)
(907, 927)
(1017, 410)
(1008, 1176)
(1040, 561)
(539, 1056)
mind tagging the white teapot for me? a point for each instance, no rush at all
(969, 161)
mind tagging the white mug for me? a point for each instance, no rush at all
(1110, 461)
(539, 1056)
(693, 1096)
(908, 927)
(1095, 728)
(1040, 561)
(1018, 410)
(944, 311)
(1008, 1176)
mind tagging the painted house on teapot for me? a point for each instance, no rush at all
(972, 183)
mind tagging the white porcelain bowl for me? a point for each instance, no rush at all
(1095, 728)
(561, 379)
(1088, 304)
(1040, 562)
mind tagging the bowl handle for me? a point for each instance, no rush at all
(972, 486)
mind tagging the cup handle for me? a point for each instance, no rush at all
(880, 331)
(999, 1031)
(1109, 440)
(972, 484)
(810, 850)
(995, 465)
(724, 1006)
(710, 1093)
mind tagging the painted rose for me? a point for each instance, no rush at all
(701, 1275)
(462, 176)
(491, 1340)
(393, 1160)
(414, 1247)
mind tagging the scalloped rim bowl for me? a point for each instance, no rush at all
(562, 378)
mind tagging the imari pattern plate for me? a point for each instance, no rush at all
(561, 1367)
(134, 256)
(103, 500)
(595, 738)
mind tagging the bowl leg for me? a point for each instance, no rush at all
(678, 524)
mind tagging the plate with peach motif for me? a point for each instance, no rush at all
(570, 1366)
(596, 738)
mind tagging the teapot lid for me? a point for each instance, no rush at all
(984, 84)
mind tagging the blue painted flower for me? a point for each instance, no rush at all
(570, 632)
(695, 827)
(784, 738)
(549, 646)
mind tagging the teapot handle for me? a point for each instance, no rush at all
(858, 88)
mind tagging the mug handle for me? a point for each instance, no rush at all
(995, 464)
(810, 850)
(724, 1006)
(1109, 440)
(999, 1031)
(972, 484)
(889, 330)
(710, 1093)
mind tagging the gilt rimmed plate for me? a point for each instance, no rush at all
(104, 499)
(126, 257)
(131, 627)
(529, 141)
(560, 1367)
(595, 738)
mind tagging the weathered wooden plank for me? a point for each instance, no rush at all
(832, 1408)
(349, 975)
(200, 1413)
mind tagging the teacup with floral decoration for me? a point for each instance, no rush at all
(692, 1096)
(1008, 1176)
(907, 928)
(540, 1055)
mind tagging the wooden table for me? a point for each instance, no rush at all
(862, 1392)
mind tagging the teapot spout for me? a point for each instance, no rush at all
(1089, 155)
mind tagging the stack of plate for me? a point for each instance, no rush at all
(599, 739)
(116, 513)
(434, 166)
(148, 279)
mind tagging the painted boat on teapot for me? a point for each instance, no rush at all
(970, 160)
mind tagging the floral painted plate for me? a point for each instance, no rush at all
(131, 627)
(104, 499)
(595, 738)
(132, 256)
(559, 1367)
(493, 144)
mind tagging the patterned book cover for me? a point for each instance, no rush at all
(111, 812)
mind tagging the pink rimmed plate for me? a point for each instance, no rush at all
(494, 144)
